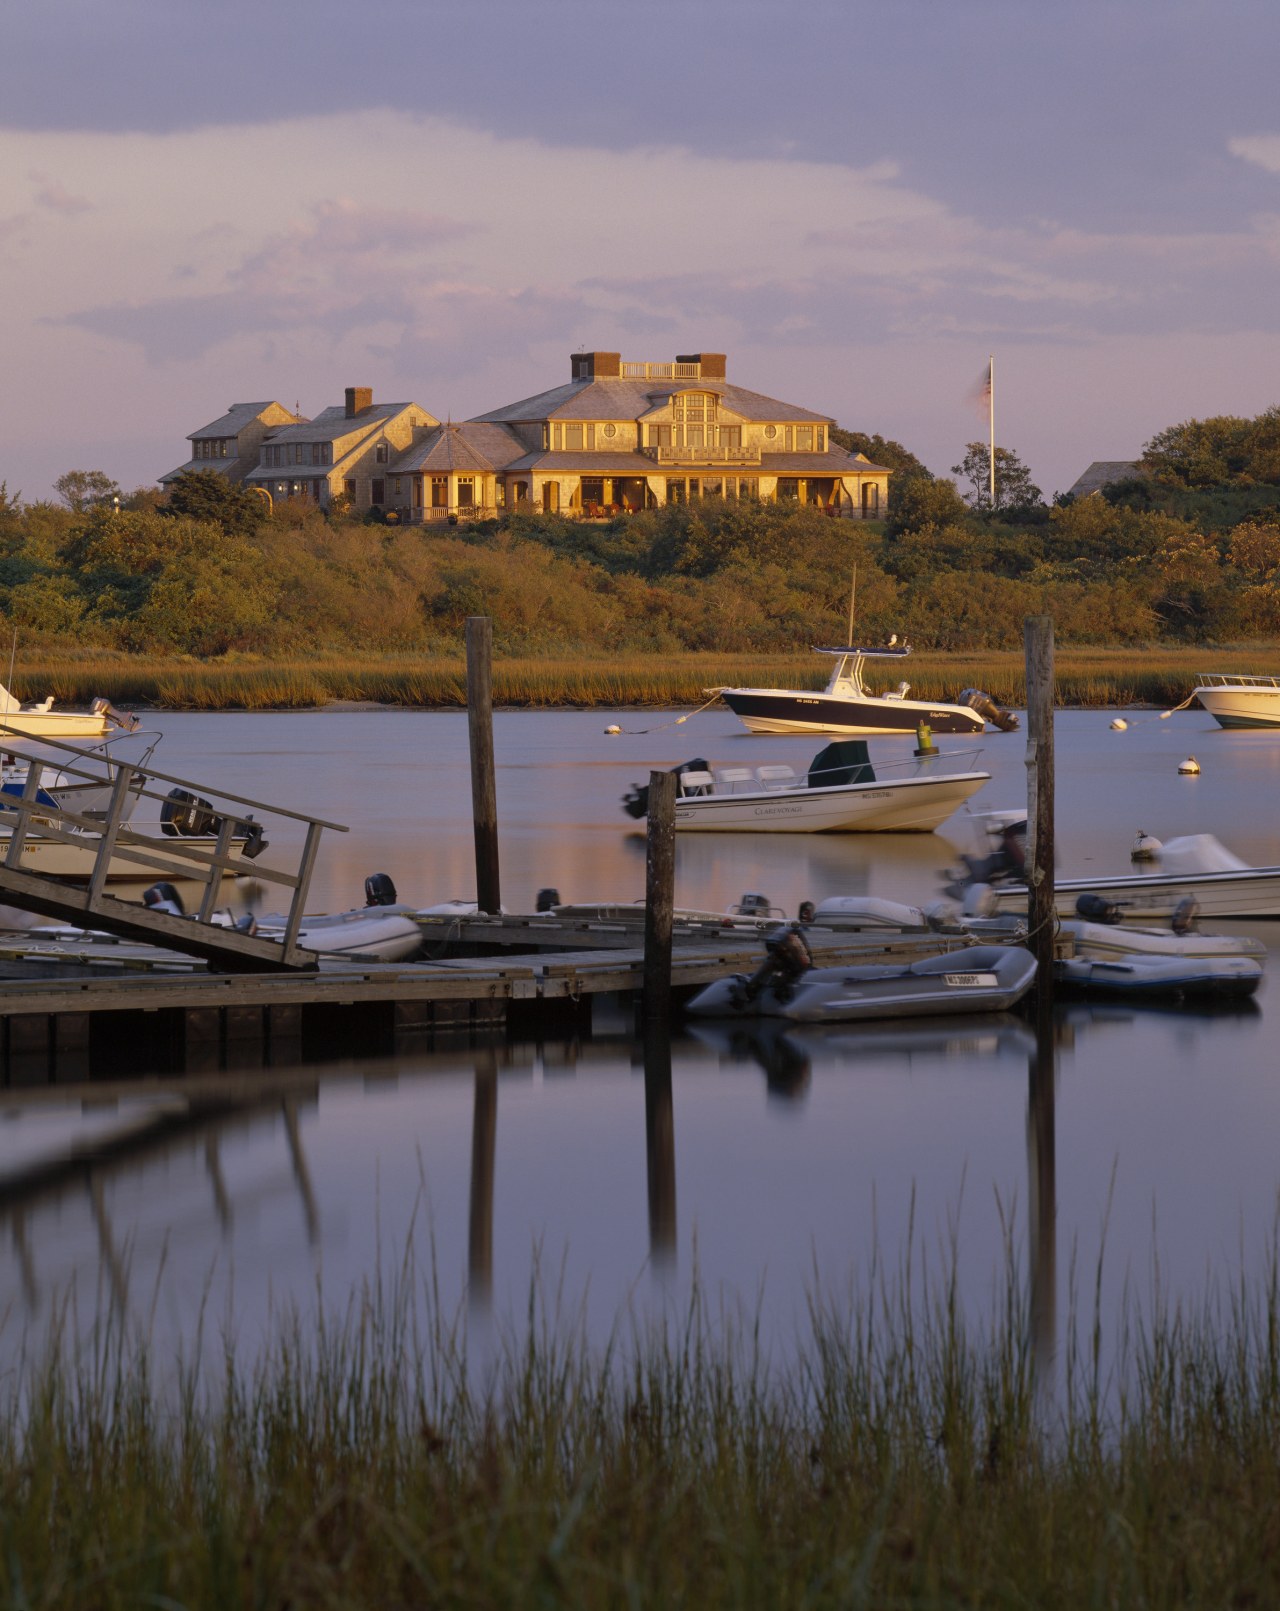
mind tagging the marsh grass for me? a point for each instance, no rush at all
(1085, 677)
(901, 1456)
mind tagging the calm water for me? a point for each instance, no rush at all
(781, 1160)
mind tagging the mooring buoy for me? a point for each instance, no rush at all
(1190, 767)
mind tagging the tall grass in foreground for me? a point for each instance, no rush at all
(898, 1459)
(1085, 676)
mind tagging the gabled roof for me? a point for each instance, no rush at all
(469, 446)
(607, 398)
(330, 424)
(1102, 473)
(236, 418)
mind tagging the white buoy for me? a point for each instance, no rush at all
(1119, 725)
(1146, 847)
(614, 729)
(1189, 768)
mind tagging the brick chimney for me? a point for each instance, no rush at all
(589, 365)
(713, 363)
(359, 398)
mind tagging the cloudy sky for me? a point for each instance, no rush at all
(204, 203)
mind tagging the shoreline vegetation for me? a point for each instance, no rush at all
(903, 1455)
(1085, 677)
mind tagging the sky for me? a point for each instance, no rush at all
(216, 202)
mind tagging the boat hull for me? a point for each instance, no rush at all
(1221, 977)
(1251, 893)
(778, 710)
(51, 724)
(1243, 706)
(907, 805)
(74, 862)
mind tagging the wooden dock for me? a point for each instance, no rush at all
(87, 1010)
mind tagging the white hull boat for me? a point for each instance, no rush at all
(1196, 867)
(974, 979)
(43, 721)
(1240, 700)
(840, 793)
(368, 934)
(846, 706)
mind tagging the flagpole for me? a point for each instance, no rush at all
(991, 424)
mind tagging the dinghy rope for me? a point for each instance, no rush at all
(634, 732)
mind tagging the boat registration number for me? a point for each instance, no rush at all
(967, 981)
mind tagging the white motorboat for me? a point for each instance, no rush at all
(1240, 700)
(846, 706)
(1197, 867)
(841, 793)
(43, 721)
(984, 978)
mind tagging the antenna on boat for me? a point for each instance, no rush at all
(853, 594)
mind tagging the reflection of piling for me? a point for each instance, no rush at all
(1038, 644)
(484, 1140)
(1043, 1196)
(659, 896)
(484, 797)
(660, 1142)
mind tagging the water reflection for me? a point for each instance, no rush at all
(660, 1144)
(484, 1146)
(1042, 1196)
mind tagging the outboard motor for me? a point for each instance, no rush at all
(635, 802)
(546, 900)
(991, 710)
(188, 816)
(786, 957)
(252, 838)
(379, 890)
(163, 897)
(1097, 909)
(1185, 914)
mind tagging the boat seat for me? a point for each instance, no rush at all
(732, 778)
(775, 777)
(696, 783)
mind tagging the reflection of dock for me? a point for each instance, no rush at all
(105, 1011)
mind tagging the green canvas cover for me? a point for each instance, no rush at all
(846, 761)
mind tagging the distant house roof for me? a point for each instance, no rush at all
(614, 399)
(470, 446)
(330, 424)
(237, 417)
(1103, 473)
(227, 467)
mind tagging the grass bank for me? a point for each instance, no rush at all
(1085, 677)
(901, 1460)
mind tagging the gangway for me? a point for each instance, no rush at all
(110, 819)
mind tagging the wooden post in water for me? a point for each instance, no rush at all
(484, 795)
(659, 895)
(1038, 646)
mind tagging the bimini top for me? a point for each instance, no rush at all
(888, 652)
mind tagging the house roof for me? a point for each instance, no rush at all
(333, 423)
(236, 418)
(469, 446)
(607, 398)
(227, 467)
(1102, 473)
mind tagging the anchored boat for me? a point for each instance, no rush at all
(1240, 701)
(846, 705)
(840, 793)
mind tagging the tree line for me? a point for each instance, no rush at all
(205, 570)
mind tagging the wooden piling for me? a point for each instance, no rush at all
(484, 795)
(1038, 647)
(659, 895)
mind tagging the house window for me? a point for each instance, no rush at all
(788, 486)
(546, 437)
(351, 490)
(731, 438)
(748, 487)
(592, 492)
(676, 490)
(591, 438)
(573, 438)
(381, 454)
(771, 431)
(439, 491)
(466, 492)
(417, 492)
(660, 436)
(871, 500)
(376, 490)
(397, 482)
(788, 439)
(609, 431)
(804, 438)
(711, 487)
(500, 494)
(820, 437)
